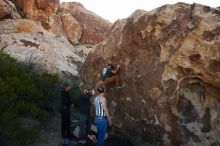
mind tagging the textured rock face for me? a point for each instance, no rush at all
(94, 27)
(65, 24)
(72, 20)
(71, 27)
(28, 41)
(55, 25)
(170, 70)
(8, 10)
(38, 9)
(51, 18)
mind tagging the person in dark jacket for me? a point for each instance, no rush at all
(65, 111)
(85, 104)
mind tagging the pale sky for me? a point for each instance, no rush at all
(119, 9)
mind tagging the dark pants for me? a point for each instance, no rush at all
(101, 124)
(85, 125)
(65, 124)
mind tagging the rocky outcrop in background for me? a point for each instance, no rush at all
(170, 72)
(8, 10)
(50, 35)
(70, 19)
(94, 28)
(38, 9)
(28, 41)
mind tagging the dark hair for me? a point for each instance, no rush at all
(101, 89)
(92, 133)
(111, 66)
(66, 85)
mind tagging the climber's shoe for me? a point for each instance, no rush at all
(120, 87)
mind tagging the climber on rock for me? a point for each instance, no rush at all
(110, 76)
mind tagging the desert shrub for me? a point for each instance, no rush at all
(26, 99)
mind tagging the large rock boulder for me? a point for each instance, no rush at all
(8, 10)
(47, 12)
(38, 9)
(70, 19)
(55, 25)
(170, 72)
(71, 27)
(65, 24)
(28, 41)
(94, 28)
(42, 11)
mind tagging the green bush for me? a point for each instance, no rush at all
(24, 95)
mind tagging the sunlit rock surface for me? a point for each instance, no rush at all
(170, 72)
(8, 10)
(28, 41)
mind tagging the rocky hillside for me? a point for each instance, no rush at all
(70, 19)
(49, 35)
(169, 57)
(28, 41)
(8, 10)
(170, 70)
(94, 28)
